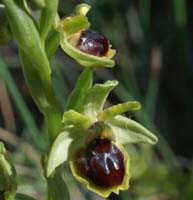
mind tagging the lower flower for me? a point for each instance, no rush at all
(92, 139)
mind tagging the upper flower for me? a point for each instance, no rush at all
(89, 48)
(92, 138)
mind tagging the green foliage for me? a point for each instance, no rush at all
(137, 30)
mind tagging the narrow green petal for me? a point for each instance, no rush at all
(95, 98)
(77, 119)
(111, 112)
(62, 146)
(84, 82)
(128, 131)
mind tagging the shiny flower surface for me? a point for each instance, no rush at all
(88, 47)
(93, 139)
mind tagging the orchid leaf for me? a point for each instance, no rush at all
(111, 112)
(128, 131)
(67, 140)
(84, 82)
(95, 98)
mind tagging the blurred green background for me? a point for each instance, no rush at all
(154, 64)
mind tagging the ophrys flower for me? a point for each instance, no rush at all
(93, 138)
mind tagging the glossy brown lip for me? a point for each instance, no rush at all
(102, 163)
(93, 42)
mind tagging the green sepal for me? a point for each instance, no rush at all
(77, 22)
(118, 109)
(95, 98)
(57, 188)
(20, 196)
(7, 175)
(79, 120)
(62, 147)
(128, 131)
(71, 25)
(84, 82)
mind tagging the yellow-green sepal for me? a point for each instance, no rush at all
(74, 24)
(95, 98)
(104, 192)
(128, 131)
(68, 140)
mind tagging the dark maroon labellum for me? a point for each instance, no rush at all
(102, 162)
(94, 43)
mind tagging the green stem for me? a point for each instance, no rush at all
(53, 122)
(43, 94)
